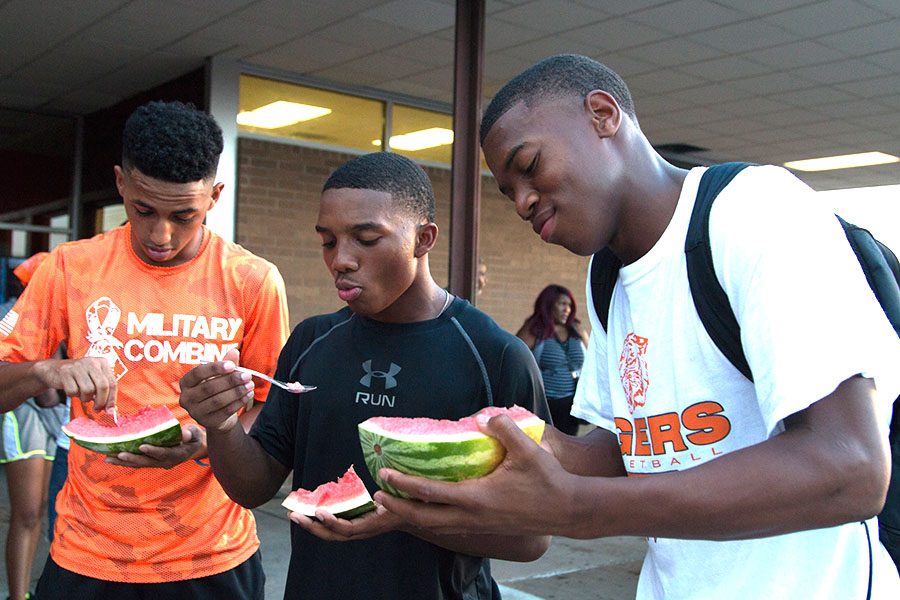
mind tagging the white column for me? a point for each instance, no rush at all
(222, 88)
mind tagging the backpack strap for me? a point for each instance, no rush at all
(881, 267)
(604, 272)
(710, 299)
(605, 268)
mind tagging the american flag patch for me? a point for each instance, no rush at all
(8, 322)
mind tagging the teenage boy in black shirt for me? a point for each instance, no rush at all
(403, 347)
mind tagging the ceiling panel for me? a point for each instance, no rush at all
(252, 36)
(889, 7)
(499, 35)
(826, 16)
(751, 103)
(800, 53)
(841, 71)
(744, 36)
(662, 81)
(724, 69)
(301, 17)
(430, 50)
(763, 7)
(621, 7)
(686, 16)
(816, 96)
(614, 35)
(673, 52)
(367, 33)
(422, 16)
(879, 88)
(708, 96)
(307, 54)
(551, 15)
(533, 51)
(866, 40)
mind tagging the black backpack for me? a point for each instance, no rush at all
(880, 265)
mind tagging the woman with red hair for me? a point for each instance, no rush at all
(556, 338)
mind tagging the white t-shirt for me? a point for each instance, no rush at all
(808, 322)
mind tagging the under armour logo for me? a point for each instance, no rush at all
(389, 380)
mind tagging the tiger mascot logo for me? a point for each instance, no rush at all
(633, 370)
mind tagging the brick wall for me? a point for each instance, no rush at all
(278, 195)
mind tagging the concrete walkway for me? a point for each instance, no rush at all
(604, 569)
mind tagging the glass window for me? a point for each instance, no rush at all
(290, 111)
(58, 222)
(110, 217)
(421, 134)
(19, 243)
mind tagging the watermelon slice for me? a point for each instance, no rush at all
(154, 426)
(345, 498)
(438, 449)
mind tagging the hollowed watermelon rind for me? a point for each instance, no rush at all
(464, 456)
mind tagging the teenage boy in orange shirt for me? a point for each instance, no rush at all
(138, 307)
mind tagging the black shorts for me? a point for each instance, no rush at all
(244, 582)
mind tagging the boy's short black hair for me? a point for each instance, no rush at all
(404, 180)
(555, 77)
(172, 141)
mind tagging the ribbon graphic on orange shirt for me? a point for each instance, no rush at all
(100, 333)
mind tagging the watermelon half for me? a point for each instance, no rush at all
(345, 498)
(154, 426)
(438, 448)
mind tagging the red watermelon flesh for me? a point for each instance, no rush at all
(345, 498)
(446, 427)
(154, 426)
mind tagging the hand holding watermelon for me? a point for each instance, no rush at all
(333, 529)
(193, 443)
(340, 511)
(511, 500)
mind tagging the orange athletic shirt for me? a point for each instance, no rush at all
(155, 324)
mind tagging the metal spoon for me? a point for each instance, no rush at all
(295, 387)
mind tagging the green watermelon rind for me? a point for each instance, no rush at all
(168, 435)
(461, 457)
(348, 513)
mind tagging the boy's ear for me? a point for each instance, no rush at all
(606, 115)
(426, 238)
(214, 194)
(120, 180)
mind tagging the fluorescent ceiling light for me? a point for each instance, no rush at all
(419, 140)
(280, 114)
(846, 161)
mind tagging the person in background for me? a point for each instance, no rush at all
(481, 277)
(28, 436)
(555, 336)
(137, 307)
(403, 347)
(59, 473)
